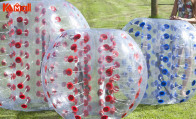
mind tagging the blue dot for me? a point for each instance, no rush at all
(173, 57)
(149, 27)
(195, 71)
(149, 36)
(172, 77)
(176, 84)
(183, 77)
(169, 55)
(166, 36)
(137, 22)
(131, 30)
(147, 87)
(154, 31)
(188, 92)
(169, 64)
(166, 47)
(148, 56)
(165, 71)
(137, 33)
(145, 95)
(149, 46)
(172, 86)
(165, 59)
(192, 36)
(161, 101)
(153, 40)
(182, 100)
(166, 26)
(163, 83)
(180, 87)
(142, 24)
(161, 93)
(193, 83)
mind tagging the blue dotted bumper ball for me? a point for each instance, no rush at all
(169, 47)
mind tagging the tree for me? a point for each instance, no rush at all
(154, 8)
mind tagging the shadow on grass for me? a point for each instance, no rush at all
(148, 107)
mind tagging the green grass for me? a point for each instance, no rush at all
(116, 14)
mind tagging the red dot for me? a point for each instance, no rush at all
(104, 117)
(24, 106)
(104, 36)
(37, 29)
(106, 47)
(36, 19)
(19, 19)
(3, 37)
(58, 19)
(18, 59)
(109, 86)
(70, 86)
(109, 72)
(44, 11)
(108, 98)
(37, 9)
(100, 92)
(70, 59)
(86, 113)
(27, 88)
(74, 108)
(3, 63)
(124, 115)
(74, 47)
(19, 73)
(140, 81)
(22, 96)
(86, 38)
(53, 8)
(69, 72)
(77, 117)
(106, 109)
(131, 106)
(138, 93)
(18, 31)
(26, 32)
(43, 21)
(139, 69)
(61, 30)
(26, 21)
(18, 45)
(76, 37)
(43, 32)
(108, 59)
(20, 85)
(4, 26)
(71, 98)
(117, 64)
(2, 50)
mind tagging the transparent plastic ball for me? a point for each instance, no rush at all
(94, 73)
(24, 39)
(169, 47)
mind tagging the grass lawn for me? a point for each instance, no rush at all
(116, 14)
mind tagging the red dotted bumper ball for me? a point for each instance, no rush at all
(26, 56)
(96, 74)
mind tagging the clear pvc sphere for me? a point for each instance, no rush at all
(169, 47)
(94, 73)
(24, 39)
